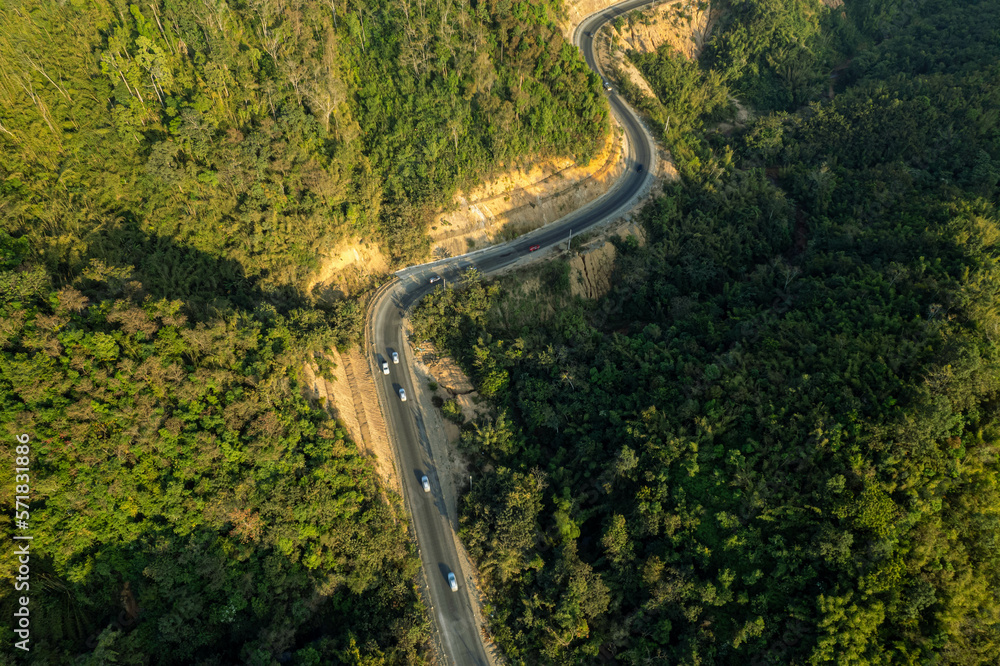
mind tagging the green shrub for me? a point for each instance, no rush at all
(453, 412)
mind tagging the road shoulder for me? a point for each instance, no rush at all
(451, 469)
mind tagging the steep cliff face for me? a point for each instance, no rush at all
(591, 271)
(577, 10)
(347, 268)
(592, 266)
(524, 199)
(686, 26)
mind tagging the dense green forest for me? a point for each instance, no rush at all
(164, 134)
(170, 174)
(187, 504)
(775, 440)
(777, 54)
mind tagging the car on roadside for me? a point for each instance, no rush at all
(402, 395)
(385, 367)
(395, 358)
(534, 247)
(452, 583)
(435, 279)
(425, 483)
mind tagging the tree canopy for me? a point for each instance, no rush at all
(262, 132)
(775, 440)
(172, 171)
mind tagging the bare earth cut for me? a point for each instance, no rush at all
(351, 399)
(686, 26)
(522, 200)
(349, 267)
(591, 265)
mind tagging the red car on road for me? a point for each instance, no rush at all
(534, 247)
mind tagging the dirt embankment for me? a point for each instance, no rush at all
(514, 203)
(351, 399)
(451, 381)
(685, 25)
(577, 10)
(524, 199)
(592, 265)
(347, 268)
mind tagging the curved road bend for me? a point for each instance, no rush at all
(451, 612)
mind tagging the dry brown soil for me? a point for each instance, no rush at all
(347, 268)
(523, 199)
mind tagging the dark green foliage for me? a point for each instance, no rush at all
(453, 411)
(181, 482)
(777, 54)
(687, 96)
(557, 275)
(261, 133)
(171, 174)
(776, 439)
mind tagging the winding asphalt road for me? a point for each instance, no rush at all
(452, 612)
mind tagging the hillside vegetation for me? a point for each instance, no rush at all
(170, 173)
(261, 132)
(776, 439)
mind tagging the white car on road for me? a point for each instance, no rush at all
(395, 358)
(385, 368)
(425, 483)
(452, 583)
(402, 395)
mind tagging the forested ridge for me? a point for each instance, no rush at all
(187, 504)
(170, 174)
(261, 132)
(775, 440)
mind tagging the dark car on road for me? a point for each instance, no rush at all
(436, 278)
(638, 168)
